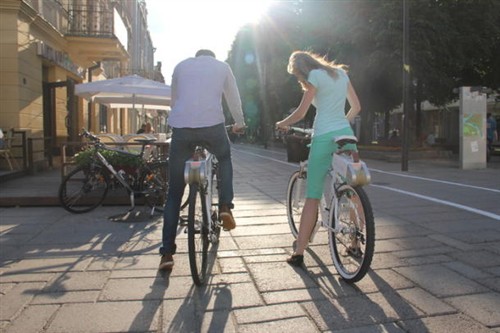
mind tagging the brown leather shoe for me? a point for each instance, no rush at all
(166, 262)
(227, 218)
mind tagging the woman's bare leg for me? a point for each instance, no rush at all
(308, 220)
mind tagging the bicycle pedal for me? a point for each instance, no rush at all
(183, 220)
(214, 239)
(196, 231)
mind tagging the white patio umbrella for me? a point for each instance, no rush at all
(128, 91)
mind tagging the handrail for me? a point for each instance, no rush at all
(23, 147)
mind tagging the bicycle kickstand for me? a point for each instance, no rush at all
(152, 213)
(132, 201)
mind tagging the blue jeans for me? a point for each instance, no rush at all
(181, 150)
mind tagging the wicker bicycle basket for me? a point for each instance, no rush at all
(297, 148)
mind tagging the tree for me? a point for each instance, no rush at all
(453, 43)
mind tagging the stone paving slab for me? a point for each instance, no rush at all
(485, 308)
(447, 323)
(440, 280)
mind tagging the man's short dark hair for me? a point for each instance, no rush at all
(203, 52)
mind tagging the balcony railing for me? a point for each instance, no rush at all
(52, 11)
(70, 18)
(91, 20)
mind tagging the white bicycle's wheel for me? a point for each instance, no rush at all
(295, 199)
(352, 246)
(197, 235)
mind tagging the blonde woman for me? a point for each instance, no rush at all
(326, 85)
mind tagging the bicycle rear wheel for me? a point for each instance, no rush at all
(185, 198)
(353, 245)
(212, 199)
(83, 189)
(197, 235)
(295, 199)
(154, 185)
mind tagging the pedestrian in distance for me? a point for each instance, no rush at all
(142, 129)
(149, 129)
(327, 86)
(491, 133)
(198, 85)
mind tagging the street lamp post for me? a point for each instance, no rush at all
(406, 86)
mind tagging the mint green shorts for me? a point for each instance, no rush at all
(320, 158)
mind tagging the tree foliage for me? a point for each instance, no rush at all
(452, 43)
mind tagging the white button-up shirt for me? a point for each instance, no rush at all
(198, 85)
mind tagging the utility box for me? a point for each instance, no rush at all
(472, 128)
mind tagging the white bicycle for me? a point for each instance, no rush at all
(345, 209)
(204, 223)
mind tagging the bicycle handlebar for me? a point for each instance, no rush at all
(229, 128)
(89, 135)
(307, 131)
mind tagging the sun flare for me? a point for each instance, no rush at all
(180, 27)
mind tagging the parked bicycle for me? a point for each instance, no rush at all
(204, 223)
(346, 212)
(86, 187)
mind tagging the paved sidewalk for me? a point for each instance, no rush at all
(436, 267)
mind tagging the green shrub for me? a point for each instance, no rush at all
(115, 158)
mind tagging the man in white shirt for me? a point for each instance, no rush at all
(198, 85)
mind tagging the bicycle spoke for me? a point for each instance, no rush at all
(83, 189)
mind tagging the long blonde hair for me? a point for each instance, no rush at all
(301, 63)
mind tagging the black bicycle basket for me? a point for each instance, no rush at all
(297, 148)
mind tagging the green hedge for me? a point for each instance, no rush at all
(113, 157)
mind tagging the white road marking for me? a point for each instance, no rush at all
(436, 180)
(267, 158)
(444, 202)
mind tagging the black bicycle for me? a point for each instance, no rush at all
(86, 187)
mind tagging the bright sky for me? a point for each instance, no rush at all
(179, 28)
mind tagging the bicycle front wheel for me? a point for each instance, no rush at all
(197, 235)
(154, 185)
(295, 199)
(353, 240)
(83, 189)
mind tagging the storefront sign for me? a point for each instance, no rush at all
(59, 58)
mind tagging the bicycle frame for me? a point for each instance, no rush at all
(198, 170)
(119, 177)
(335, 179)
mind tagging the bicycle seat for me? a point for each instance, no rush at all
(194, 144)
(345, 139)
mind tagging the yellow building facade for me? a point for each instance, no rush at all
(46, 48)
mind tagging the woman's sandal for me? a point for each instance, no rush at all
(295, 260)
